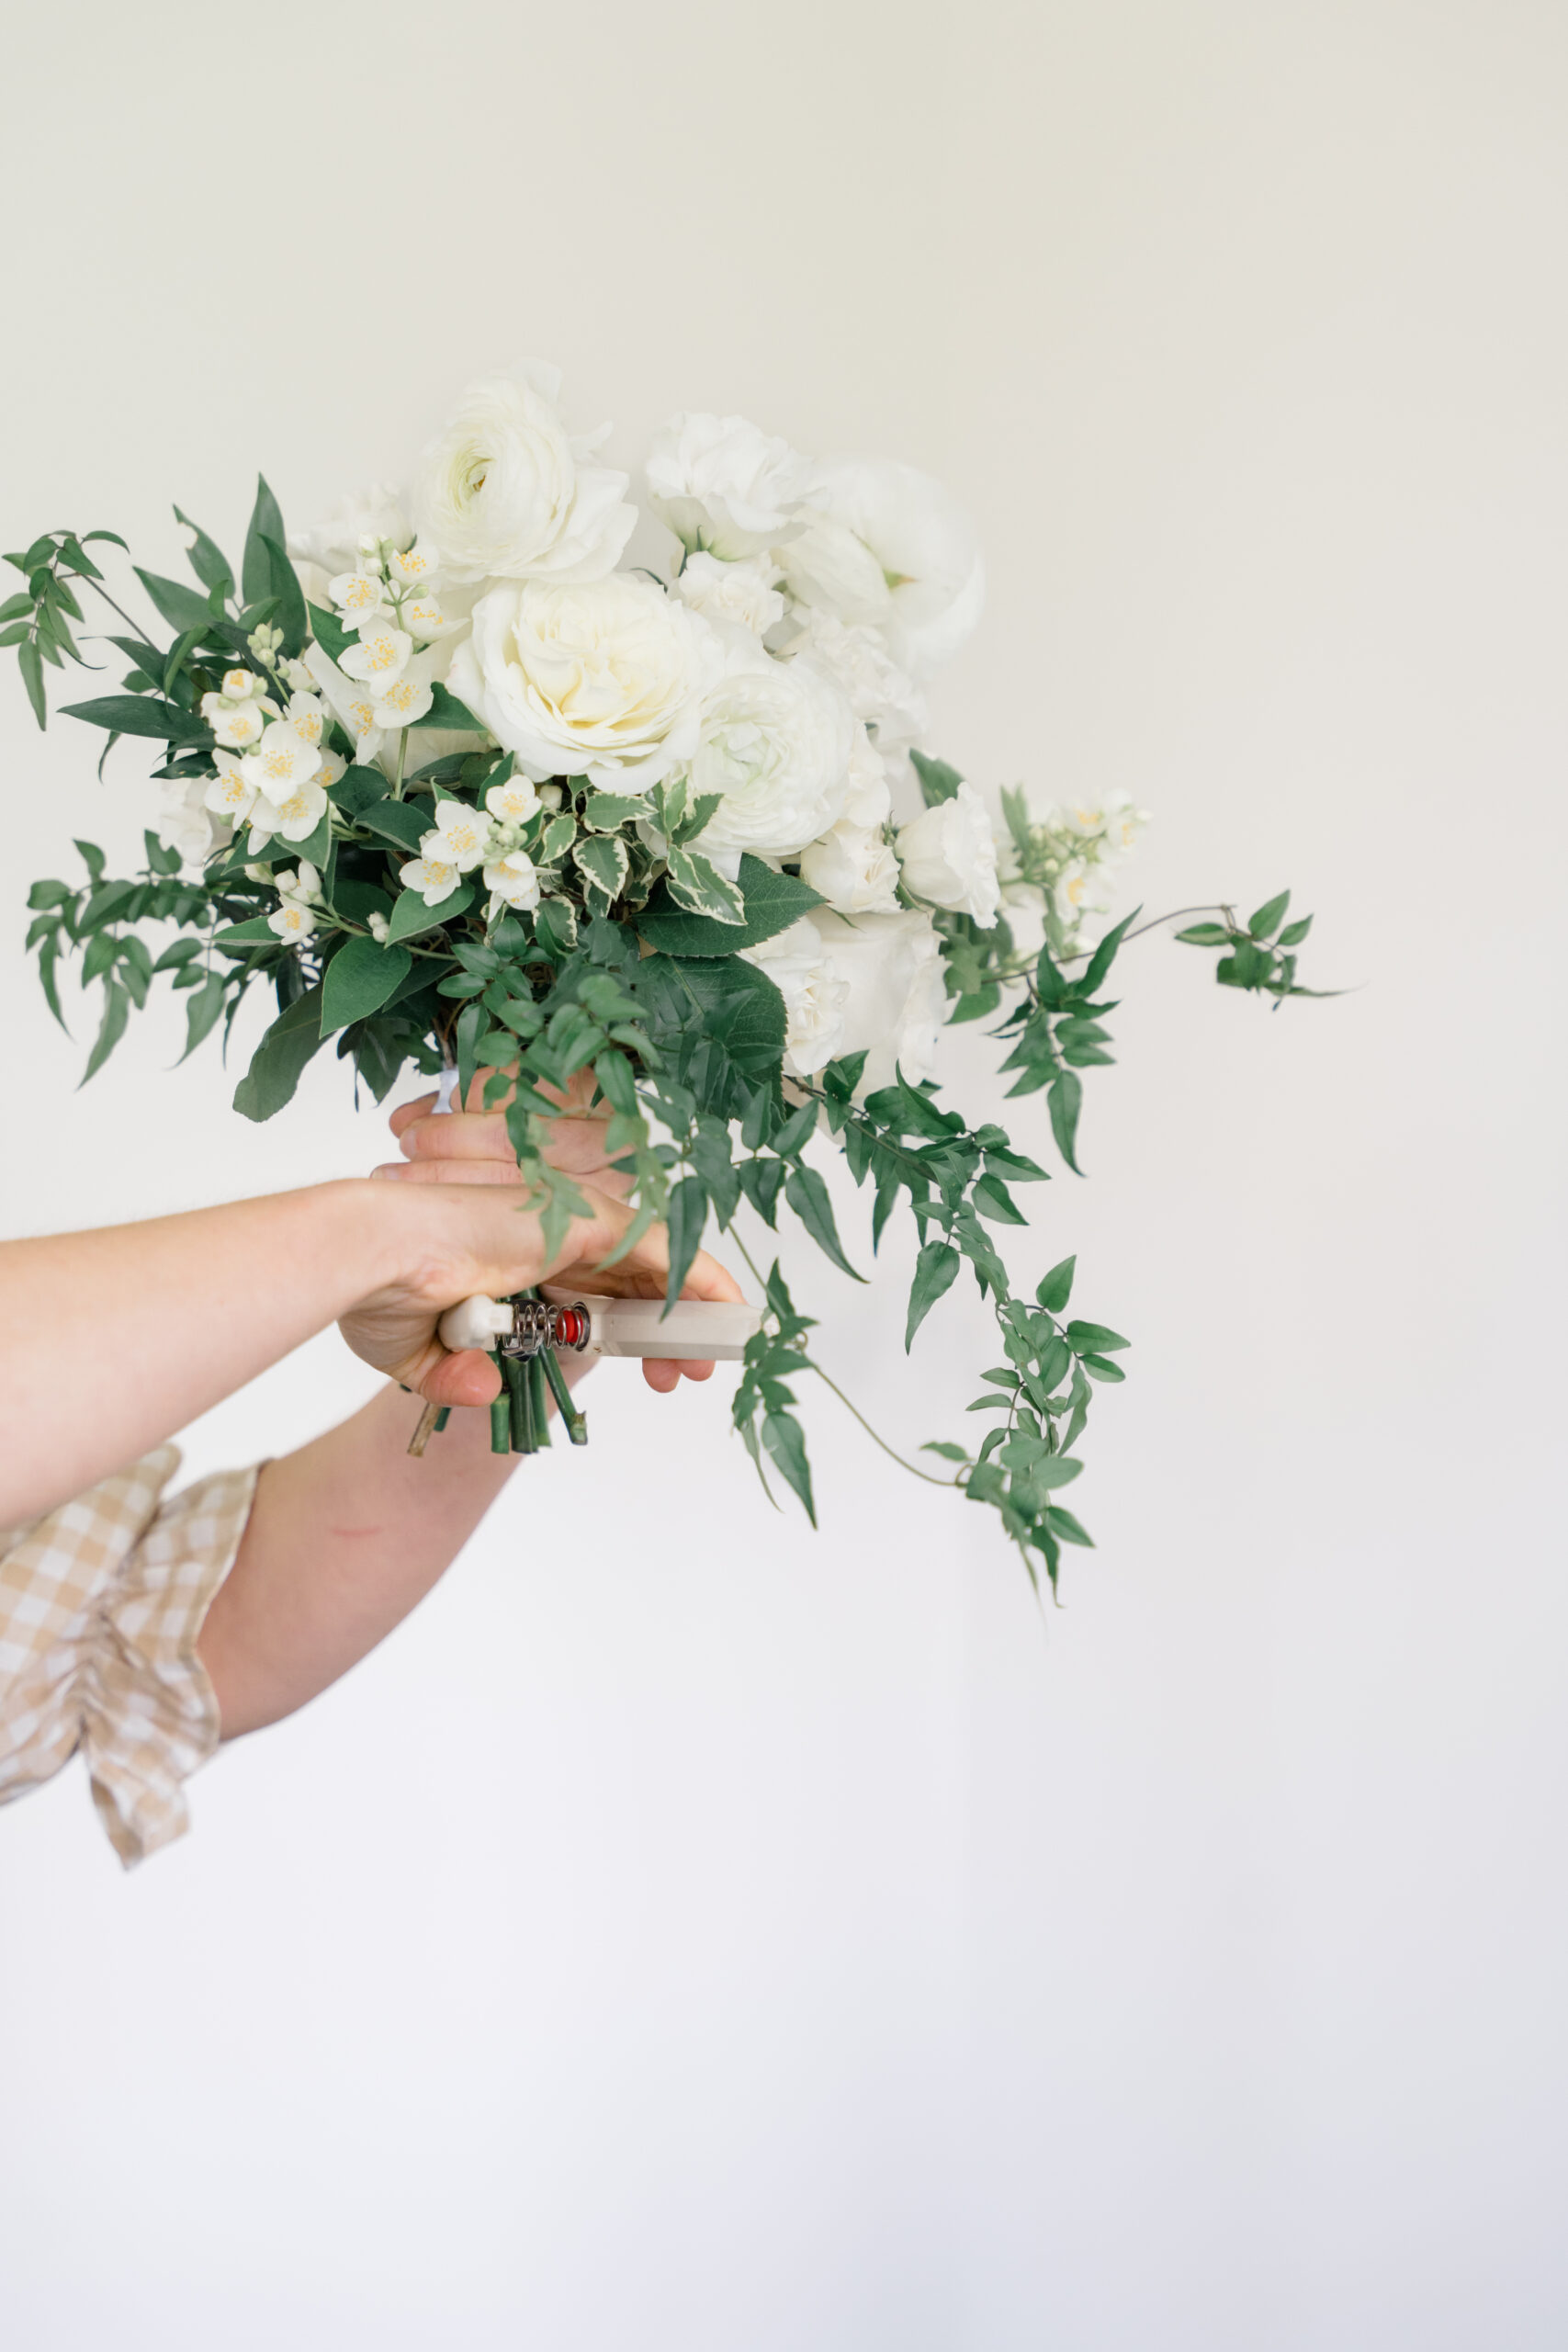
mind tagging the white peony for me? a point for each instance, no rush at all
(502, 491)
(338, 545)
(722, 484)
(854, 870)
(775, 740)
(604, 679)
(896, 1002)
(949, 857)
(887, 546)
(740, 592)
(814, 996)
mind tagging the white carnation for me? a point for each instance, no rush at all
(722, 484)
(887, 546)
(604, 679)
(741, 593)
(503, 490)
(854, 870)
(949, 857)
(813, 992)
(774, 742)
(896, 1002)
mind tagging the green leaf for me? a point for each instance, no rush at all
(446, 711)
(330, 633)
(1204, 934)
(1065, 1100)
(948, 1452)
(696, 885)
(785, 1441)
(1270, 916)
(254, 933)
(359, 980)
(1101, 1368)
(203, 1007)
(1294, 932)
(181, 606)
(206, 559)
(359, 790)
(606, 812)
(1071, 1530)
(770, 902)
(267, 522)
(411, 916)
(277, 1061)
(117, 1009)
(1081, 1336)
(687, 1216)
(938, 781)
(603, 860)
(165, 722)
(992, 1199)
(737, 1005)
(397, 820)
(807, 1196)
(1104, 956)
(289, 616)
(936, 1270)
(30, 663)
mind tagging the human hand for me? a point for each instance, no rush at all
(449, 1241)
(472, 1146)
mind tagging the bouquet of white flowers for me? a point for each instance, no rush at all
(461, 792)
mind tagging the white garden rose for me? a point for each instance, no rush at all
(949, 857)
(505, 493)
(854, 870)
(775, 740)
(887, 546)
(605, 680)
(740, 592)
(896, 1002)
(814, 996)
(338, 545)
(722, 484)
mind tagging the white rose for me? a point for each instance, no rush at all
(722, 484)
(337, 545)
(604, 680)
(502, 491)
(854, 870)
(949, 857)
(775, 740)
(897, 1001)
(741, 593)
(814, 995)
(885, 544)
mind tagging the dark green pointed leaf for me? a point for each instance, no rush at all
(770, 902)
(277, 1061)
(785, 1441)
(446, 711)
(807, 1196)
(358, 981)
(1096, 1335)
(1270, 916)
(411, 916)
(1065, 1100)
(147, 715)
(948, 1452)
(182, 608)
(330, 633)
(687, 1216)
(993, 1200)
(938, 781)
(936, 1269)
(402, 821)
(207, 560)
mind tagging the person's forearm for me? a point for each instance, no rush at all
(344, 1538)
(112, 1339)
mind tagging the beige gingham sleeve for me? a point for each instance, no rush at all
(101, 1602)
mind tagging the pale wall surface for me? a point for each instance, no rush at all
(691, 1935)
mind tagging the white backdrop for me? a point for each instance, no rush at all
(687, 1933)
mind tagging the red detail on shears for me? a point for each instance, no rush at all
(571, 1326)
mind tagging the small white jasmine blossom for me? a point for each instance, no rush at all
(230, 794)
(550, 795)
(281, 761)
(351, 705)
(292, 921)
(414, 566)
(239, 685)
(296, 816)
(236, 725)
(256, 872)
(404, 703)
(378, 926)
(350, 540)
(1082, 889)
(333, 770)
(307, 715)
(378, 657)
(431, 877)
(358, 596)
(296, 676)
(515, 802)
(1115, 821)
(512, 880)
(301, 888)
(427, 618)
(185, 823)
(462, 837)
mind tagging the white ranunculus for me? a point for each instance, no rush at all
(774, 740)
(886, 545)
(814, 996)
(880, 693)
(722, 484)
(896, 1002)
(503, 492)
(604, 679)
(741, 593)
(854, 869)
(949, 857)
(337, 545)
